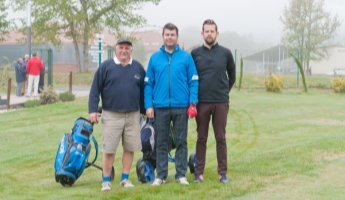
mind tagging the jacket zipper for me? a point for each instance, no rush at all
(169, 59)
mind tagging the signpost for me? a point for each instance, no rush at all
(97, 51)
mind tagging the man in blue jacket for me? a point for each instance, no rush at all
(170, 96)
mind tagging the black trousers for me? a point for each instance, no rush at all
(41, 84)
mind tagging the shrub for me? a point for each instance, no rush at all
(273, 83)
(338, 85)
(66, 96)
(32, 103)
(48, 96)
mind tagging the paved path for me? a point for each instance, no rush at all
(78, 91)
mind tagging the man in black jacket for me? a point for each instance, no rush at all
(217, 75)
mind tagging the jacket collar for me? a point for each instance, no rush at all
(177, 47)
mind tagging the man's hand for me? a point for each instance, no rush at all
(150, 113)
(93, 117)
(192, 112)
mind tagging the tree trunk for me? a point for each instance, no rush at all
(85, 50)
(86, 45)
(76, 47)
(77, 55)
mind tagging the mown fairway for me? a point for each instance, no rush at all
(280, 146)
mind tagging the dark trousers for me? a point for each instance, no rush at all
(163, 119)
(219, 114)
(41, 83)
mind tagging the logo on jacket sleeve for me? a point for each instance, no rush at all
(195, 77)
(146, 79)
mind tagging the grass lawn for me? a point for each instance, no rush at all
(280, 146)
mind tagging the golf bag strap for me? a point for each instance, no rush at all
(88, 164)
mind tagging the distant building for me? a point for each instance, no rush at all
(335, 63)
(64, 58)
(277, 60)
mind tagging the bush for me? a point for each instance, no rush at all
(48, 96)
(32, 103)
(273, 83)
(338, 85)
(66, 96)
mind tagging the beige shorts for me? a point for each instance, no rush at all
(120, 125)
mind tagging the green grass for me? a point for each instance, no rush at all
(280, 146)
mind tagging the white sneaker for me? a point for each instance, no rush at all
(183, 181)
(158, 182)
(106, 186)
(126, 183)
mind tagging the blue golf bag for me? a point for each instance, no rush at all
(73, 152)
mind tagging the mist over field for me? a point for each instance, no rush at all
(259, 20)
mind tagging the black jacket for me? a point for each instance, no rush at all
(20, 72)
(217, 73)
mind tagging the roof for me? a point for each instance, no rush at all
(275, 53)
(151, 39)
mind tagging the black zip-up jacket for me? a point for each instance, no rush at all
(217, 73)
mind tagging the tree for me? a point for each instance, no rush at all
(307, 28)
(80, 20)
(5, 24)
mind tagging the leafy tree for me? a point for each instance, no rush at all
(307, 28)
(5, 24)
(80, 20)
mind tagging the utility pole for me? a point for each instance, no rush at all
(28, 25)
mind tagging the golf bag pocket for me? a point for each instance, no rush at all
(148, 139)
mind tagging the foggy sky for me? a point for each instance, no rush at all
(259, 18)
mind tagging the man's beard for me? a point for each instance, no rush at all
(210, 42)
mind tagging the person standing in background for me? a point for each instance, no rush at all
(217, 75)
(33, 68)
(25, 61)
(20, 76)
(41, 81)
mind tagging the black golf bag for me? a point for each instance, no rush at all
(147, 164)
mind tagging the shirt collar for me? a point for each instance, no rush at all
(213, 46)
(119, 62)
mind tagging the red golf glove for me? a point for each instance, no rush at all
(191, 112)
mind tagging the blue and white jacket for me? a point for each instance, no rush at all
(171, 80)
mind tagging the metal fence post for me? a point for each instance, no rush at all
(70, 81)
(50, 67)
(8, 93)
